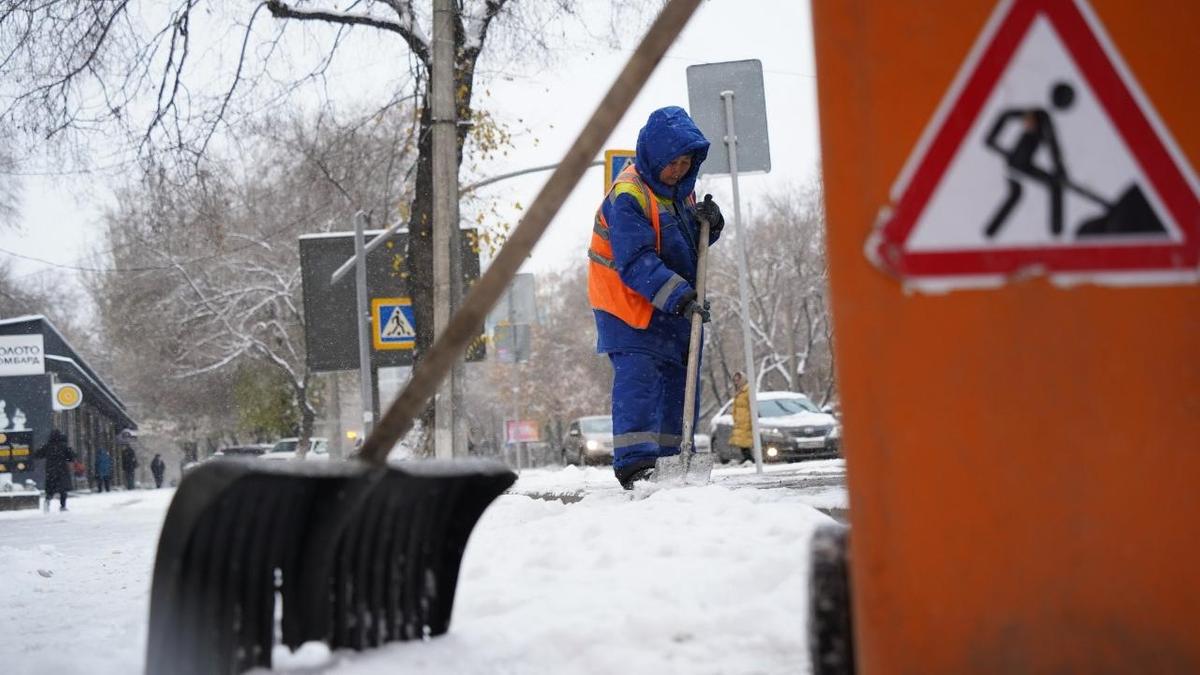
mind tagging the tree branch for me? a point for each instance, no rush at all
(409, 31)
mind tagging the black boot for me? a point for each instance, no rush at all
(643, 470)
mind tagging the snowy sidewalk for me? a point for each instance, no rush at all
(689, 580)
(821, 483)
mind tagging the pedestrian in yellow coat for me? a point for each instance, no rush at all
(742, 436)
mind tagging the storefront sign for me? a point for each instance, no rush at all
(15, 451)
(66, 396)
(22, 355)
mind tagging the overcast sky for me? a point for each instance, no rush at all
(61, 215)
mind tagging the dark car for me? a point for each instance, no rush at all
(252, 450)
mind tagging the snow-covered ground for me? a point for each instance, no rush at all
(687, 580)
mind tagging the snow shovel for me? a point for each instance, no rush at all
(690, 467)
(359, 553)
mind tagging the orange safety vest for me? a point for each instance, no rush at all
(606, 291)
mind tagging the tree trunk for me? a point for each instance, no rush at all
(419, 257)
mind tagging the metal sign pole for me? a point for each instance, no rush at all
(364, 324)
(743, 279)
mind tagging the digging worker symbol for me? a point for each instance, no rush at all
(1130, 214)
(1037, 132)
(641, 284)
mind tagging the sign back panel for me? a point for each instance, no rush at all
(705, 83)
(330, 331)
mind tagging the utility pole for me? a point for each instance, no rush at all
(449, 434)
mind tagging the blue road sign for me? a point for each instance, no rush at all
(392, 322)
(615, 162)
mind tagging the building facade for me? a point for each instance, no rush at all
(35, 359)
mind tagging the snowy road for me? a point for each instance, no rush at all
(692, 580)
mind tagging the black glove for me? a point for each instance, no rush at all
(688, 306)
(708, 210)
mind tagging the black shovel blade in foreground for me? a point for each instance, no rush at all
(358, 556)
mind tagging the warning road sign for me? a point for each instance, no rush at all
(392, 320)
(1044, 156)
(615, 162)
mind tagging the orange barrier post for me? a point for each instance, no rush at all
(1019, 366)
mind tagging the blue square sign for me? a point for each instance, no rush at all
(615, 162)
(392, 323)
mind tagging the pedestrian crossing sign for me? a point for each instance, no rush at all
(615, 162)
(392, 323)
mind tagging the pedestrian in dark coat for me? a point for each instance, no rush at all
(104, 470)
(129, 462)
(157, 467)
(58, 458)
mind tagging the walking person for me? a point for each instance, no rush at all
(129, 463)
(104, 470)
(157, 467)
(641, 286)
(742, 435)
(58, 458)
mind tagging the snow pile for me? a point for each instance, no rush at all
(692, 580)
(687, 580)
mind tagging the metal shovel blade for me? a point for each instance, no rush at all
(699, 469)
(671, 469)
(357, 556)
(685, 468)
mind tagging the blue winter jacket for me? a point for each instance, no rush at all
(668, 134)
(104, 464)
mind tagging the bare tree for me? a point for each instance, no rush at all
(789, 300)
(564, 377)
(227, 292)
(10, 189)
(175, 77)
(76, 66)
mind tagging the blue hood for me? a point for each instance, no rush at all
(668, 134)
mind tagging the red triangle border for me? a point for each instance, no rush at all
(1095, 63)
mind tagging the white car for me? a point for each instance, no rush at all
(285, 448)
(789, 425)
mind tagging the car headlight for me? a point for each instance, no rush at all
(772, 451)
(835, 431)
(593, 445)
(772, 432)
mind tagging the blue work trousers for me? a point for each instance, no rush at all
(647, 408)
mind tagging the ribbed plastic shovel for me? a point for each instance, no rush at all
(344, 553)
(353, 554)
(690, 467)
